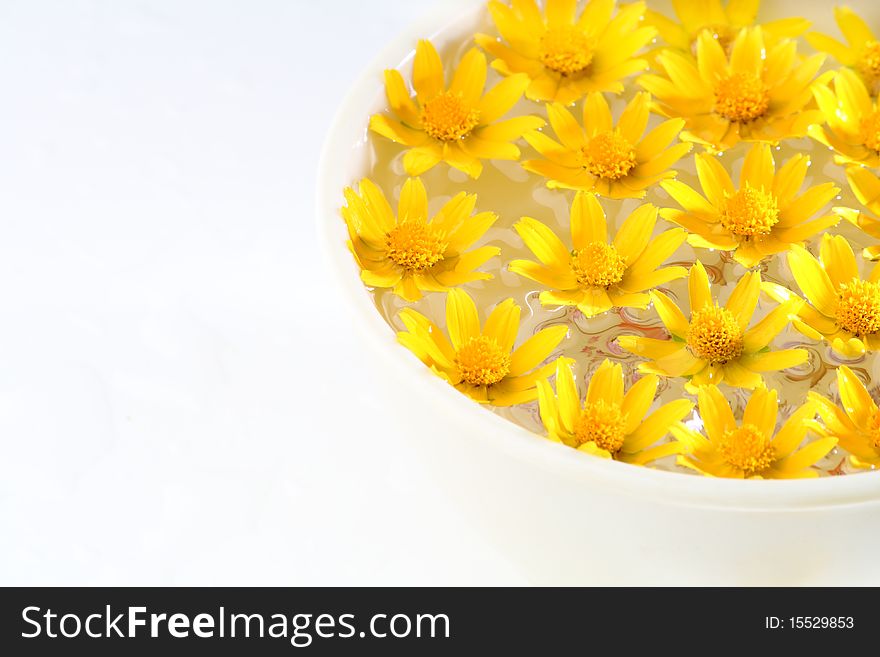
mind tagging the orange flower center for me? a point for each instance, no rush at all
(858, 307)
(447, 117)
(482, 362)
(749, 212)
(597, 265)
(869, 63)
(714, 335)
(869, 129)
(609, 155)
(747, 448)
(566, 50)
(741, 98)
(602, 423)
(415, 246)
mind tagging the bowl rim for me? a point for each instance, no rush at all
(348, 129)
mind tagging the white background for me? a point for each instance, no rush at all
(181, 401)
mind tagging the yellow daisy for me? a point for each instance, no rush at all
(616, 161)
(855, 423)
(716, 345)
(722, 21)
(458, 125)
(566, 56)
(482, 363)
(862, 50)
(750, 449)
(609, 424)
(866, 186)
(761, 217)
(844, 309)
(853, 120)
(755, 94)
(596, 275)
(411, 253)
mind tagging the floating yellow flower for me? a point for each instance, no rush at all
(750, 450)
(757, 94)
(615, 161)
(866, 186)
(722, 22)
(862, 51)
(609, 424)
(845, 309)
(853, 120)
(565, 57)
(478, 362)
(716, 345)
(762, 217)
(457, 125)
(856, 426)
(411, 253)
(597, 275)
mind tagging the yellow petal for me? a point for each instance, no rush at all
(470, 77)
(714, 179)
(657, 425)
(597, 114)
(758, 168)
(670, 314)
(649, 347)
(427, 72)
(634, 234)
(512, 128)
(744, 298)
(462, 321)
(413, 203)
(853, 27)
(543, 242)
(833, 47)
(715, 412)
(761, 410)
(838, 259)
(699, 289)
(536, 349)
(854, 398)
(565, 126)
(399, 98)
(418, 160)
(606, 384)
(771, 325)
(813, 280)
(638, 400)
(634, 119)
(807, 456)
(503, 325)
(501, 98)
(560, 12)
(567, 394)
(588, 222)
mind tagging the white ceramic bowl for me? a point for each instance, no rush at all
(564, 517)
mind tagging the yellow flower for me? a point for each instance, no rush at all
(845, 309)
(458, 125)
(855, 424)
(597, 275)
(750, 450)
(862, 51)
(756, 94)
(411, 253)
(615, 161)
(853, 120)
(866, 186)
(609, 424)
(721, 22)
(716, 345)
(482, 363)
(565, 57)
(762, 217)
